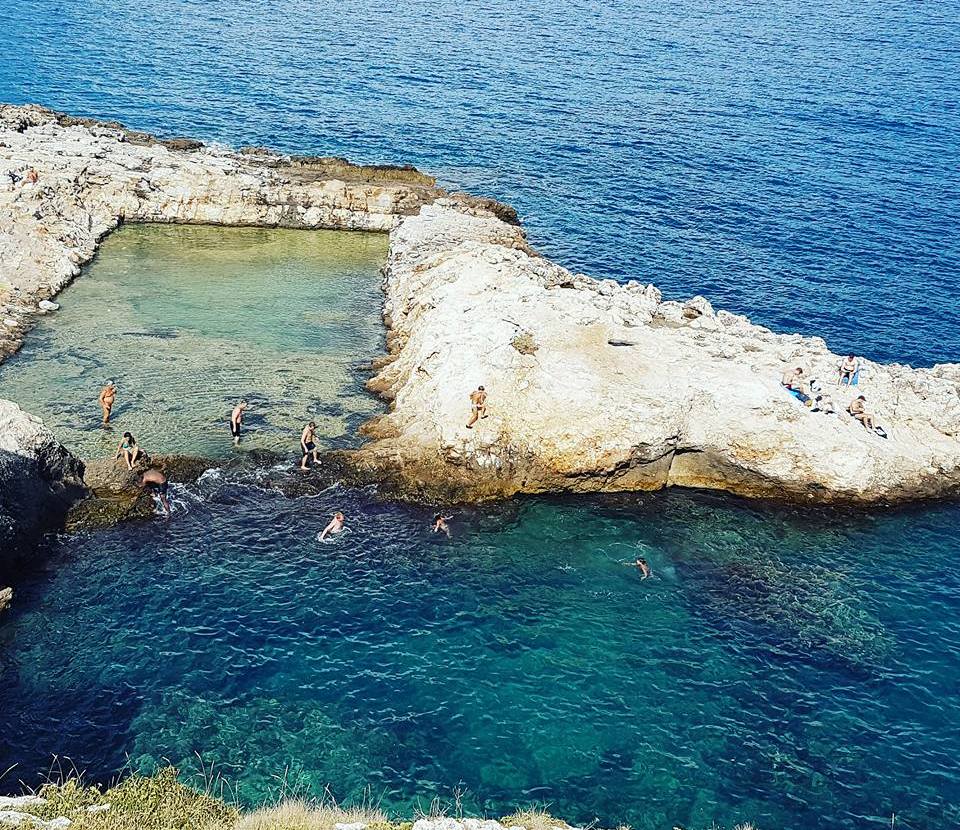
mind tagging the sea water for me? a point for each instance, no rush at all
(187, 321)
(792, 667)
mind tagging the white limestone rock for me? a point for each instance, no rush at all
(620, 395)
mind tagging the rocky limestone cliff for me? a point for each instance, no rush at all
(90, 176)
(39, 480)
(600, 386)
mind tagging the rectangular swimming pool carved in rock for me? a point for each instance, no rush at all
(188, 319)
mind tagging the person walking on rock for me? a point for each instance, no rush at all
(107, 396)
(236, 421)
(308, 444)
(478, 401)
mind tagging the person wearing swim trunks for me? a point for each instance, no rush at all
(308, 444)
(643, 567)
(478, 401)
(848, 369)
(335, 526)
(236, 421)
(107, 396)
(156, 482)
(129, 450)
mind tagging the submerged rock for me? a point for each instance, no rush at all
(39, 480)
(623, 391)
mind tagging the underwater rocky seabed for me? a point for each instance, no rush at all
(785, 666)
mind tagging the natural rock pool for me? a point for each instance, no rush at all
(786, 666)
(187, 320)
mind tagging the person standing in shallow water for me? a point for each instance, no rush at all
(335, 526)
(236, 421)
(308, 445)
(478, 400)
(107, 396)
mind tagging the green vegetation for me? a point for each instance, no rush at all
(163, 802)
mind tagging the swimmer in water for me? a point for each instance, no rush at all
(335, 526)
(156, 482)
(643, 567)
(440, 524)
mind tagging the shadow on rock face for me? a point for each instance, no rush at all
(35, 494)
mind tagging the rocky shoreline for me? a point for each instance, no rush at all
(593, 386)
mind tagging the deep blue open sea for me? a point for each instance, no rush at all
(796, 162)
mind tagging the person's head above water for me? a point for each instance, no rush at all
(110, 383)
(312, 425)
(338, 516)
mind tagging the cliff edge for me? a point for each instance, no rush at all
(597, 386)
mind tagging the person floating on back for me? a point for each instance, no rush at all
(129, 451)
(236, 421)
(440, 524)
(849, 371)
(107, 396)
(478, 400)
(308, 445)
(335, 526)
(156, 482)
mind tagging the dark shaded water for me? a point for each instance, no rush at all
(796, 669)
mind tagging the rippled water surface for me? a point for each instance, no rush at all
(796, 162)
(796, 669)
(187, 320)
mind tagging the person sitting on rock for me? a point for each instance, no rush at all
(793, 381)
(156, 482)
(858, 409)
(849, 371)
(129, 450)
(478, 400)
(107, 396)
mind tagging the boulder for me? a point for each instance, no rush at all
(39, 480)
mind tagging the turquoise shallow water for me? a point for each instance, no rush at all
(793, 668)
(796, 163)
(188, 320)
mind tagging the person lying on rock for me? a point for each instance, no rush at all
(308, 445)
(478, 400)
(236, 421)
(156, 482)
(849, 367)
(335, 526)
(128, 450)
(107, 396)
